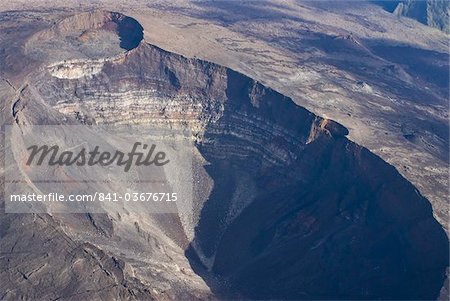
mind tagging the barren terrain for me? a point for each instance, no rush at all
(368, 88)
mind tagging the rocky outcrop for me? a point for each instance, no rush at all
(78, 68)
(434, 13)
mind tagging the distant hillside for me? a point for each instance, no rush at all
(434, 13)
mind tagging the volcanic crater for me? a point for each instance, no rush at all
(287, 207)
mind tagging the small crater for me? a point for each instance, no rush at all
(91, 35)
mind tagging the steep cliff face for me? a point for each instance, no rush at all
(335, 222)
(434, 13)
(288, 207)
